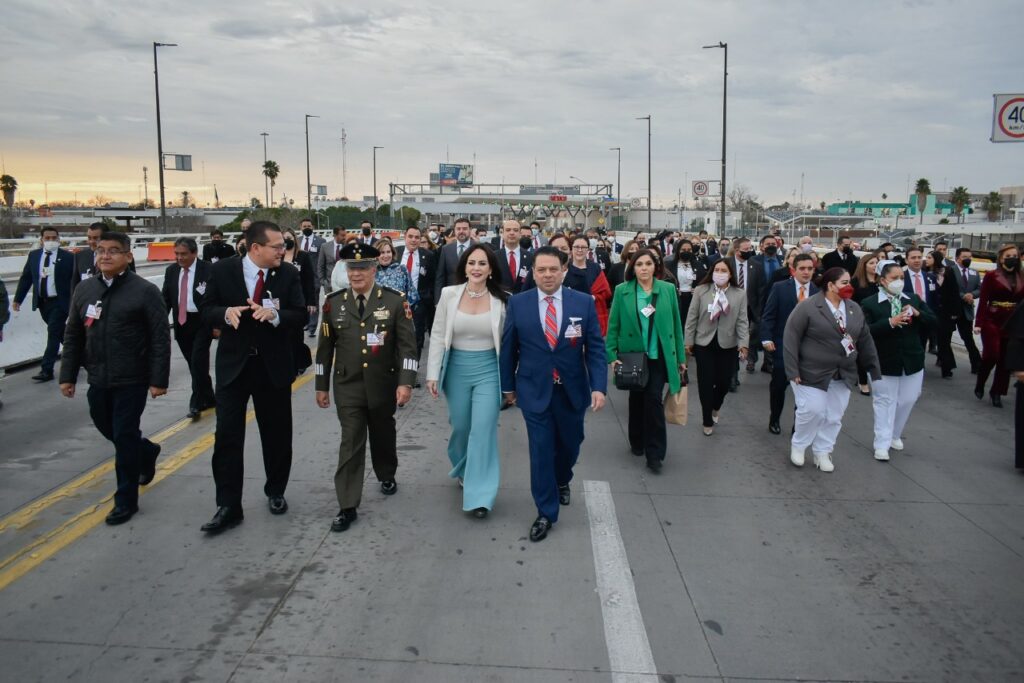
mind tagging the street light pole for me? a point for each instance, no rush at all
(618, 181)
(266, 183)
(309, 192)
(725, 85)
(648, 119)
(375, 148)
(159, 134)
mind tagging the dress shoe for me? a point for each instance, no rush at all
(480, 513)
(654, 465)
(823, 461)
(194, 414)
(997, 402)
(636, 451)
(733, 386)
(708, 431)
(120, 514)
(882, 455)
(767, 367)
(564, 495)
(389, 487)
(896, 444)
(714, 416)
(344, 519)
(974, 370)
(277, 504)
(751, 368)
(865, 389)
(947, 375)
(148, 470)
(774, 427)
(43, 377)
(539, 530)
(225, 518)
(796, 456)
(979, 393)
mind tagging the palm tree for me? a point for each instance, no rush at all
(993, 205)
(884, 196)
(922, 189)
(8, 185)
(271, 170)
(959, 198)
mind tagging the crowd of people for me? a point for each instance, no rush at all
(530, 318)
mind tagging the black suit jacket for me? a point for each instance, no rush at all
(306, 266)
(200, 284)
(447, 264)
(273, 345)
(777, 309)
(834, 259)
(31, 275)
(428, 271)
(514, 283)
(756, 288)
(215, 251)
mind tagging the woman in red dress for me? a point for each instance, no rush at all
(1001, 290)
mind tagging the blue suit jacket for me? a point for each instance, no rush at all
(781, 302)
(527, 361)
(931, 288)
(63, 265)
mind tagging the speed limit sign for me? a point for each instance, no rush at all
(700, 188)
(1008, 118)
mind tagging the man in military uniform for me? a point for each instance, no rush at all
(367, 338)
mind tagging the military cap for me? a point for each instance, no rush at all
(355, 254)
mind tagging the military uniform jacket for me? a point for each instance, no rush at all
(370, 356)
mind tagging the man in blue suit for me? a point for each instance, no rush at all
(782, 299)
(917, 281)
(47, 273)
(553, 366)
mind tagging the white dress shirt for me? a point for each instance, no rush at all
(797, 286)
(841, 311)
(250, 271)
(543, 307)
(190, 273)
(51, 281)
(685, 275)
(519, 261)
(415, 274)
(741, 264)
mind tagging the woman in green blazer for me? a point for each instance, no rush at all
(645, 317)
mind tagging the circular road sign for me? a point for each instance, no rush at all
(1011, 118)
(700, 188)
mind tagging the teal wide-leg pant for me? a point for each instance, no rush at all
(474, 398)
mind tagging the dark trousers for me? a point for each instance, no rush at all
(419, 320)
(55, 317)
(777, 387)
(314, 318)
(273, 408)
(944, 339)
(685, 298)
(555, 437)
(965, 328)
(356, 423)
(715, 367)
(116, 413)
(194, 341)
(647, 414)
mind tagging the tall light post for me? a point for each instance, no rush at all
(375, 148)
(725, 85)
(648, 119)
(266, 181)
(159, 134)
(618, 181)
(309, 190)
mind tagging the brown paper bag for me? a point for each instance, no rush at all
(676, 406)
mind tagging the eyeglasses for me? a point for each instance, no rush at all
(110, 252)
(275, 247)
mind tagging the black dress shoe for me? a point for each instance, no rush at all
(751, 368)
(539, 530)
(979, 393)
(774, 427)
(947, 375)
(278, 505)
(225, 518)
(480, 513)
(997, 402)
(148, 470)
(636, 451)
(389, 487)
(344, 519)
(733, 386)
(564, 495)
(120, 514)
(654, 465)
(193, 414)
(43, 377)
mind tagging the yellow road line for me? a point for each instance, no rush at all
(46, 546)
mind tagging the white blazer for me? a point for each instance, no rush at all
(444, 328)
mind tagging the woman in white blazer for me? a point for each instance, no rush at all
(464, 345)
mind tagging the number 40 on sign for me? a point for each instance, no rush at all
(1008, 118)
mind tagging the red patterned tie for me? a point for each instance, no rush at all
(257, 294)
(918, 287)
(408, 264)
(551, 328)
(512, 265)
(183, 297)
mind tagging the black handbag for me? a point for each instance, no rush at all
(632, 374)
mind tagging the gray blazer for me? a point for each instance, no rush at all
(732, 329)
(812, 344)
(447, 264)
(325, 264)
(972, 285)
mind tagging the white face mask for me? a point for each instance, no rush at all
(51, 245)
(807, 248)
(432, 235)
(720, 279)
(890, 254)
(894, 287)
(592, 242)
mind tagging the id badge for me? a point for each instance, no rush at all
(574, 331)
(648, 310)
(48, 271)
(272, 303)
(522, 272)
(423, 271)
(848, 344)
(85, 276)
(374, 339)
(93, 311)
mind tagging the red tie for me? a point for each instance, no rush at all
(183, 297)
(337, 252)
(512, 265)
(408, 264)
(551, 328)
(918, 287)
(257, 294)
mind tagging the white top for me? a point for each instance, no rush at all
(839, 313)
(543, 307)
(414, 274)
(685, 275)
(48, 272)
(472, 332)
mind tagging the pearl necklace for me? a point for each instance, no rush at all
(475, 295)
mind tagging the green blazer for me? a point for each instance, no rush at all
(624, 334)
(900, 351)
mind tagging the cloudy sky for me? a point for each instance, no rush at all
(857, 96)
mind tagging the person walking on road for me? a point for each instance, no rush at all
(420, 263)
(464, 348)
(969, 283)
(47, 274)
(367, 352)
(645, 319)
(304, 263)
(553, 366)
(117, 330)
(1001, 290)
(897, 321)
(717, 337)
(824, 341)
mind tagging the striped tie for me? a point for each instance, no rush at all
(551, 323)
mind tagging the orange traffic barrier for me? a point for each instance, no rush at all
(160, 251)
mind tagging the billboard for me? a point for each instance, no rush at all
(456, 175)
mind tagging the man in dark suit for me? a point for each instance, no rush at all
(601, 256)
(750, 277)
(969, 282)
(47, 273)
(769, 261)
(535, 234)
(514, 262)
(218, 248)
(85, 259)
(366, 233)
(553, 365)
(842, 257)
(311, 244)
(782, 299)
(185, 284)
(917, 281)
(448, 258)
(257, 303)
(421, 266)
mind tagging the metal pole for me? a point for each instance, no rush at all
(375, 148)
(618, 182)
(725, 83)
(309, 189)
(266, 181)
(159, 134)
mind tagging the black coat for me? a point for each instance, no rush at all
(199, 284)
(834, 259)
(216, 251)
(428, 271)
(513, 283)
(128, 344)
(306, 266)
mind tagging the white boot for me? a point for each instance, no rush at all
(881, 454)
(796, 456)
(823, 461)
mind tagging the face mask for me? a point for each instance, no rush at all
(51, 245)
(847, 250)
(592, 242)
(846, 292)
(966, 263)
(432, 235)
(307, 231)
(289, 244)
(525, 242)
(894, 287)
(685, 256)
(1011, 262)
(891, 254)
(743, 255)
(720, 279)
(771, 251)
(807, 248)
(241, 250)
